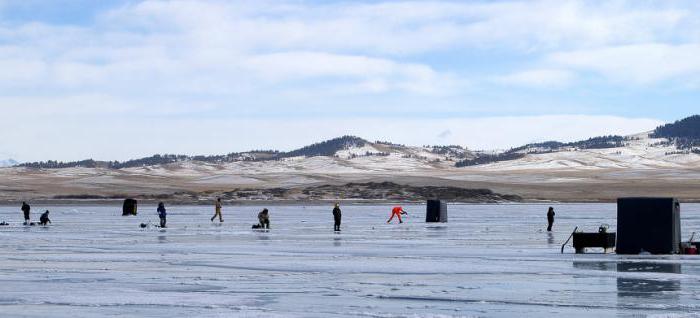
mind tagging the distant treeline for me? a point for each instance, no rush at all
(326, 148)
(601, 142)
(685, 133)
(489, 158)
(454, 150)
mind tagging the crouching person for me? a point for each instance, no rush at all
(44, 219)
(264, 219)
(162, 214)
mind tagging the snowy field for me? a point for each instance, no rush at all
(488, 261)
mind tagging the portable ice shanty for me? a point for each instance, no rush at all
(129, 208)
(436, 211)
(648, 225)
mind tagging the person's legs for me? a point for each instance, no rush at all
(391, 217)
(549, 228)
(162, 222)
(399, 216)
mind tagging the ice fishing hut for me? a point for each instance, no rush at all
(436, 211)
(129, 208)
(650, 225)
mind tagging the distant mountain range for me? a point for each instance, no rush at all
(663, 162)
(683, 134)
(347, 147)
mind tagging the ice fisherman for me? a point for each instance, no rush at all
(217, 211)
(264, 219)
(44, 218)
(550, 218)
(26, 208)
(162, 214)
(397, 211)
(337, 215)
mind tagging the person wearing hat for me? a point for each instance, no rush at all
(337, 216)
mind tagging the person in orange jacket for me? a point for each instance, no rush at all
(397, 211)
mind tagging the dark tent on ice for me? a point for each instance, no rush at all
(648, 224)
(129, 207)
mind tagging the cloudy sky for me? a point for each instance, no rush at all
(123, 79)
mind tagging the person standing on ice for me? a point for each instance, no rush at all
(44, 219)
(162, 214)
(550, 218)
(337, 215)
(397, 211)
(217, 211)
(26, 208)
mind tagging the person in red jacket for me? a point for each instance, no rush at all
(397, 211)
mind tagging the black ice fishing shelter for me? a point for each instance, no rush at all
(648, 224)
(436, 211)
(129, 207)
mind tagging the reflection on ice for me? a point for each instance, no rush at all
(596, 265)
(436, 230)
(337, 241)
(654, 287)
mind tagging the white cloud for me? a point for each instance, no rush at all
(539, 78)
(228, 59)
(407, 27)
(375, 74)
(636, 64)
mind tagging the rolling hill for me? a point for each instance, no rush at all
(661, 162)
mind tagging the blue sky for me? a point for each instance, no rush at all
(84, 79)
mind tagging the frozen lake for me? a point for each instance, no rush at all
(488, 261)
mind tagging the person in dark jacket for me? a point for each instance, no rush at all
(44, 218)
(550, 218)
(264, 219)
(337, 215)
(26, 208)
(162, 214)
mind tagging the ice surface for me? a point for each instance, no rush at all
(488, 261)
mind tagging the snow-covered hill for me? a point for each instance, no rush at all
(599, 168)
(637, 152)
